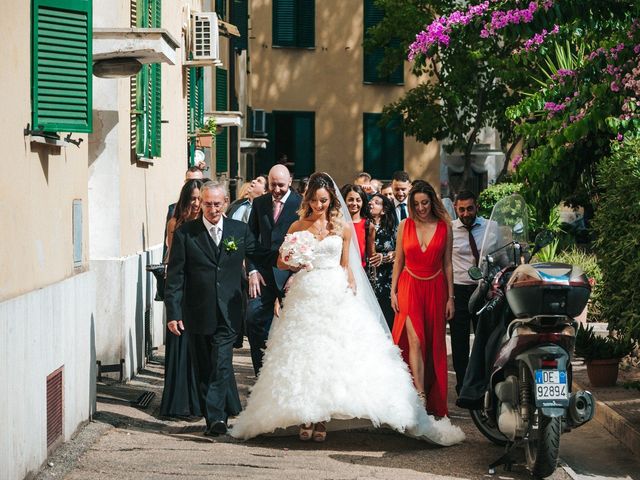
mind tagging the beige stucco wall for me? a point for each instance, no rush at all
(37, 183)
(329, 81)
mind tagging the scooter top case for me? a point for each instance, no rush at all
(547, 289)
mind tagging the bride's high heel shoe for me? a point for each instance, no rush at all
(320, 432)
(423, 398)
(306, 432)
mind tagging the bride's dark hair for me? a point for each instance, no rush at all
(334, 215)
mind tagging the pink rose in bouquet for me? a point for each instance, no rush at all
(298, 248)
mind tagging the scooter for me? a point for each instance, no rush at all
(518, 385)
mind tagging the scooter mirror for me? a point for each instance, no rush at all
(475, 273)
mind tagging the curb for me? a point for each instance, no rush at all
(615, 424)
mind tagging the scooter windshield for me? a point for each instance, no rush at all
(507, 231)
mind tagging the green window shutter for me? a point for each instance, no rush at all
(383, 146)
(222, 139)
(156, 111)
(266, 158)
(372, 58)
(195, 115)
(304, 134)
(221, 9)
(294, 23)
(373, 142)
(240, 18)
(284, 23)
(149, 89)
(61, 65)
(306, 24)
(393, 148)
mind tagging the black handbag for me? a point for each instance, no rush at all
(159, 271)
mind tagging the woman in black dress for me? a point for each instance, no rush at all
(381, 246)
(180, 393)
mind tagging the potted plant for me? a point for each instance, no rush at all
(205, 136)
(602, 355)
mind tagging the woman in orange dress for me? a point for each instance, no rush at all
(422, 294)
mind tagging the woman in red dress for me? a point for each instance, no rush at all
(358, 207)
(422, 294)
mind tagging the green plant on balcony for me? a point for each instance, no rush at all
(206, 133)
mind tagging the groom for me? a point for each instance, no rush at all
(202, 296)
(271, 216)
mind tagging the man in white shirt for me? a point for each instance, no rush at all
(401, 184)
(468, 232)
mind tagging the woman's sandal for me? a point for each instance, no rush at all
(423, 398)
(320, 432)
(306, 432)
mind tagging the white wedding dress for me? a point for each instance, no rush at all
(328, 358)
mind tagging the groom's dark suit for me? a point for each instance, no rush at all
(204, 291)
(270, 234)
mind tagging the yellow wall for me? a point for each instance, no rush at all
(37, 183)
(329, 81)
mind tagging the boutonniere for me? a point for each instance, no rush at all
(230, 244)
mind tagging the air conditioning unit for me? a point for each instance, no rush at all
(205, 40)
(259, 124)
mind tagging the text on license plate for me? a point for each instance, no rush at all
(551, 385)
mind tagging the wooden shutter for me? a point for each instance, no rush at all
(195, 112)
(284, 23)
(61, 65)
(383, 146)
(393, 148)
(373, 142)
(305, 144)
(266, 158)
(306, 24)
(373, 15)
(221, 9)
(240, 18)
(222, 139)
(148, 89)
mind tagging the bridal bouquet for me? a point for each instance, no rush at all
(297, 249)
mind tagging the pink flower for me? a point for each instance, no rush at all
(614, 87)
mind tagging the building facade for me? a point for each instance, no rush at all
(322, 95)
(96, 145)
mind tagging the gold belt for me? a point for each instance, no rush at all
(422, 278)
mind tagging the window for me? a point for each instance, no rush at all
(195, 114)
(61, 65)
(373, 15)
(383, 146)
(294, 23)
(146, 90)
(222, 104)
(292, 141)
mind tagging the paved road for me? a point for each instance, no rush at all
(129, 443)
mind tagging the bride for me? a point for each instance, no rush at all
(329, 354)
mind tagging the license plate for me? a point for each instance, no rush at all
(551, 385)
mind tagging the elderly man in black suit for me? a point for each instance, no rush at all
(202, 295)
(271, 216)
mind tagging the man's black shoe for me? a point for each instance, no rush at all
(470, 404)
(216, 428)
